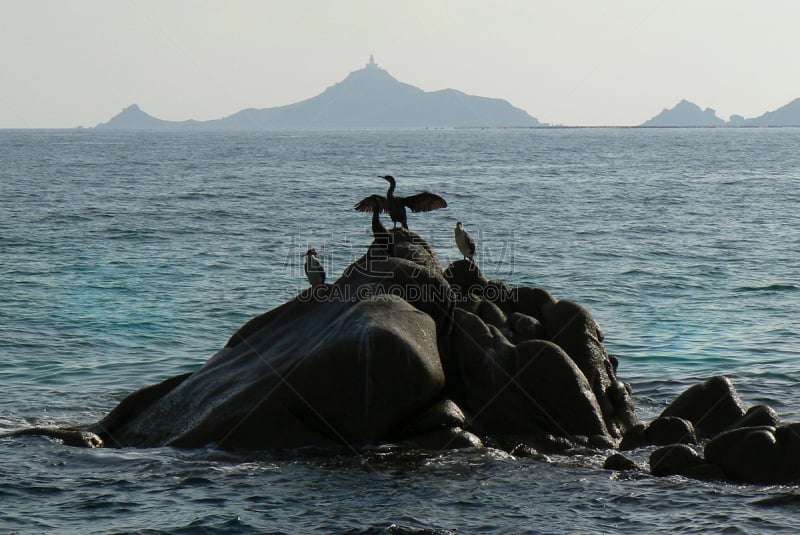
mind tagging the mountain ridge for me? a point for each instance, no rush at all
(369, 97)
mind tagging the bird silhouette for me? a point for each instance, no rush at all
(313, 268)
(396, 206)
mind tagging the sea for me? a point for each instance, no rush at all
(129, 257)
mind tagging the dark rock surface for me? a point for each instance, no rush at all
(764, 455)
(620, 463)
(744, 447)
(712, 406)
(662, 431)
(674, 459)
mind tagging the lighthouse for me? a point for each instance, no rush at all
(372, 64)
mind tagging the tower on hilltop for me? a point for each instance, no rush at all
(372, 64)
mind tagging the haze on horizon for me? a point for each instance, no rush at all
(580, 63)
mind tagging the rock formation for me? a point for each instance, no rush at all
(397, 349)
(400, 350)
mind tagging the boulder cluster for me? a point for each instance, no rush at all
(749, 446)
(401, 350)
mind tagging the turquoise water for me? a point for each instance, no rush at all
(127, 258)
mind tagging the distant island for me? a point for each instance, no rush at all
(369, 98)
(685, 113)
(372, 98)
(688, 114)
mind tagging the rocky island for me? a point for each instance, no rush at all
(367, 98)
(685, 114)
(401, 350)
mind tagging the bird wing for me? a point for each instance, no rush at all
(470, 243)
(424, 202)
(372, 203)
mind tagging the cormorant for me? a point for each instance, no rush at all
(396, 206)
(313, 268)
(465, 242)
(382, 236)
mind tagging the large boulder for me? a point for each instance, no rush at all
(288, 385)
(340, 365)
(662, 431)
(712, 406)
(681, 459)
(572, 327)
(757, 416)
(530, 387)
(764, 455)
(492, 327)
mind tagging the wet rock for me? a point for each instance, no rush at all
(712, 406)
(572, 327)
(670, 430)
(540, 442)
(514, 389)
(619, 463)
(67, 436)
(662, 431)
(524, 327)
(676, 459)
(465, 279)
(333, 387)
(758, 416)
(533, 302)
(763, 455)
(442, 414)
(635, 437)
(491, 314)
(444, 439)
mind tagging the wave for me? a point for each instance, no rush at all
(777, 288)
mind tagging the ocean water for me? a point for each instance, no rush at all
(127, 258)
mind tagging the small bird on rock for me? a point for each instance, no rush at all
(465, 242)
(313, 268)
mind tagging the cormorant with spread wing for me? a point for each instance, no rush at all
(373, 204)
(396, 206)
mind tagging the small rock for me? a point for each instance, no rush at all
(620, 463)
(674, 459)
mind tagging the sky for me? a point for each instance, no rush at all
(571, 62)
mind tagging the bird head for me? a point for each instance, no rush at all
(387, 178)
(311, 252)
(459, 225)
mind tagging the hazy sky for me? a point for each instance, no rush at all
(67, 63)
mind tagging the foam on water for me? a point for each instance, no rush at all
(130, 257)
